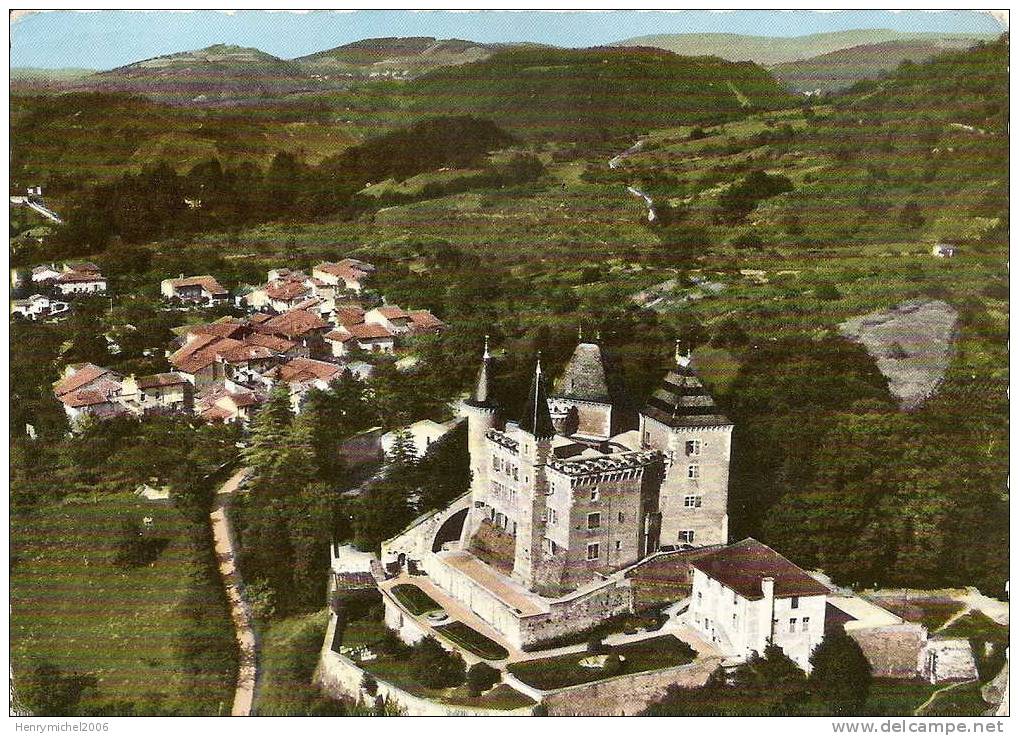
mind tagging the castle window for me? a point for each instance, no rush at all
(594, 520)
(593, 551)
(792, 625)
(692, 502)
(553, 517)
(515, 475)
(495, 463)
(806, 623)
(619, 545)
(693, 471)
(594, 494)
(647, 437)
(693, 447)
(794, 602)
(621, 517)
(686, 536)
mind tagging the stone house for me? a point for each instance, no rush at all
(349, 273)
(372, 338)
(198, 289)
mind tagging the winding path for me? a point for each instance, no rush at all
(618, 159)
(223, 536)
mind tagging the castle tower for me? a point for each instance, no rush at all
(682, 420)
(480, 411)
(534, 433)
(581, 400)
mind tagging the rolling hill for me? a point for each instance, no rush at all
(212, 75)
(843, 68)
(769, 51)
(598, 93)
(398, 58)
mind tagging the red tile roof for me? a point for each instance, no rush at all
(348, 269)
(223, 328)
(274, 343)
(293, 323)
(208, 283)
(85, 374)
(80, 277)
(363, 331)
(422, 319)
(243, 352)
(161, 379)
(349, 315)
(742, 566)
(286, 290)
(393, 312)
(299, 370)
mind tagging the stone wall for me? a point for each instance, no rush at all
(577, 612)
(948, 659)
(626, 694)
(893, 651)
(415, 542)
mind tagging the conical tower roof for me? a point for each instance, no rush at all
(482, 396)
(536, 418)
(682, 401)
(584, 377)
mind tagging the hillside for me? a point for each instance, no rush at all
(397, 58)
(841, 69)
(216, 74)
(595, 93)
(768, 50)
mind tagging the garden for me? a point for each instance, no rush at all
(602, 661)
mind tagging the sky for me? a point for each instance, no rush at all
(111, 38)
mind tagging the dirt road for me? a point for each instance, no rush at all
(240, 613)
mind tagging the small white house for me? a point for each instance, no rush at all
(37, 306)
(422, 434)
(79, 282)
(943, 250)
(746, 595)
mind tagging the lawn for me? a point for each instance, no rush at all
(964, 700)
(897, 697)
(552, 673)
(975, 625)
(72, 607)
(414, 599)
(474, 642)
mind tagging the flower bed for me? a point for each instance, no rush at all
(473, 641)
(414, 599)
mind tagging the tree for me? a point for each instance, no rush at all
(369, 684)
(481, 677)
(748, 241)
(47, 691)
(840, 673)
(434, 667)
(770, 671)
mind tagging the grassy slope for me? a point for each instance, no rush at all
(289, 653)
(72, 607)
(592, 93)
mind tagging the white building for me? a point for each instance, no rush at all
(422, 434)
(37, 306)
(747, 595)
(78, 282)
(200, 289)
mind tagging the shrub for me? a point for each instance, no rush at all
(827, 292)
(748, 240)
(613, 665)
(539, 710)
(595, 645)
(434, 667)
(369, 684)
(481, 677)
(841, 674)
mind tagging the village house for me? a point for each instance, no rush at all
(401, 322)
(203, 290)
(371, 338)
(746, 596)
(349, 274)
(44, 273)
(228, 402)
(303, 374)
(78, 277)
(88, 389)
(299, 326)
(38, 306)
(171, 391)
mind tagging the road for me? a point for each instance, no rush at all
(614, 163)
(225, 543)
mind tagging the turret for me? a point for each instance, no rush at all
(534, 432)
(480, 411)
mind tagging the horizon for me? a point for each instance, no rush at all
(108, 39)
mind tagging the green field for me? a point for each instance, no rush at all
(288, 656)
(72, 607)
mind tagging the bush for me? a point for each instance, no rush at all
(841, 674)
(434, 667)
(613, 665)
(748, 240)
(369, 684)
(595, 644)
(481, 677)
(827, 292)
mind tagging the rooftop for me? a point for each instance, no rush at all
(208, 283)
(682, 401)
(605, 463)
(584, 376)
(742, 566)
